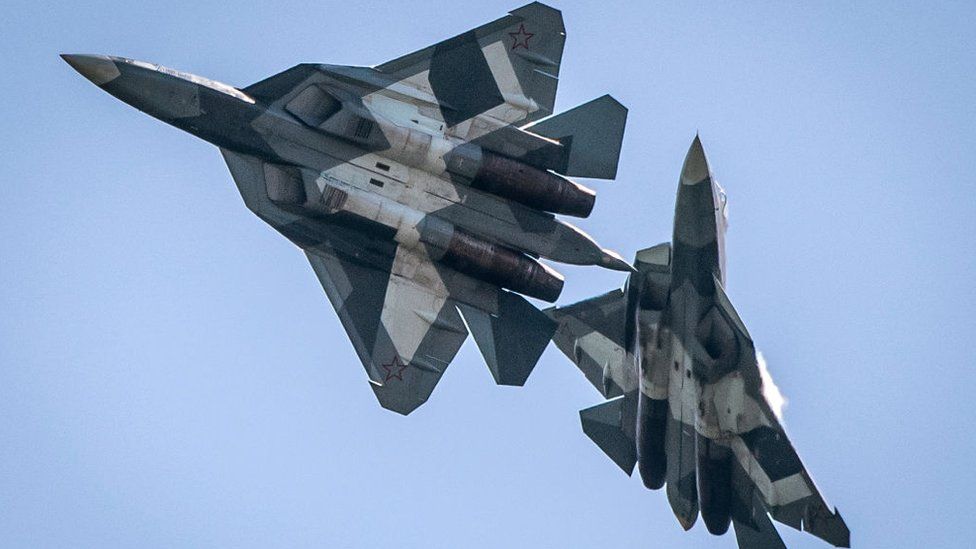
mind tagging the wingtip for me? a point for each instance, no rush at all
(829, 527)
(841, 535)
(541, 12)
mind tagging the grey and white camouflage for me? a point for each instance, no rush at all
(422, 190)
(687, 393)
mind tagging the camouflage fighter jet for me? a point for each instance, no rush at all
(422, 190)
(688, 404)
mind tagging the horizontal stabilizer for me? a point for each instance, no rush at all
(753, 527)
(610, 425)
(762, 537)
(512, 340)
(592, 334)
(591, 135)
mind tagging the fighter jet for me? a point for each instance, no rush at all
(688, 403)
(423, 190)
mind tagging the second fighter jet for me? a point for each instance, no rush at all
(689, 404)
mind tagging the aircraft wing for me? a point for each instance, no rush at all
(504, 72)
(405, 333)
(507, 70)
(770, 475)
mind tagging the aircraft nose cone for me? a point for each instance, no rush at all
(100, 69)
(695, 169)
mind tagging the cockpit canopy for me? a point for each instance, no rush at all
(722, 200)
(199, 80)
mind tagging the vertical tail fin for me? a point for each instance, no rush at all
(591, 135)
(512, 340)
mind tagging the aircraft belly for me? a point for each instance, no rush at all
(508, 224)
(656, 355)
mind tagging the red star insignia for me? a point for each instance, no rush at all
(394, 370)
(521, 37)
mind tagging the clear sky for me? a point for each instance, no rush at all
(172, 375)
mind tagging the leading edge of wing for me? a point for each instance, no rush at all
(769, 460)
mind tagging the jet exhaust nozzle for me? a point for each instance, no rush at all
(542, 190)
(501, 266)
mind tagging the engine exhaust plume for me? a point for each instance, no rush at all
(769, 389)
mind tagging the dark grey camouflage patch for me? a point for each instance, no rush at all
(773, 451)
(462, 80)
(591, 135)
(357, 293)
(511, 340)
(610, 426)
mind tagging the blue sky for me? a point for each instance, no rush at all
(171, 374)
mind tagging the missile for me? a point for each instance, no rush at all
(525, 184)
